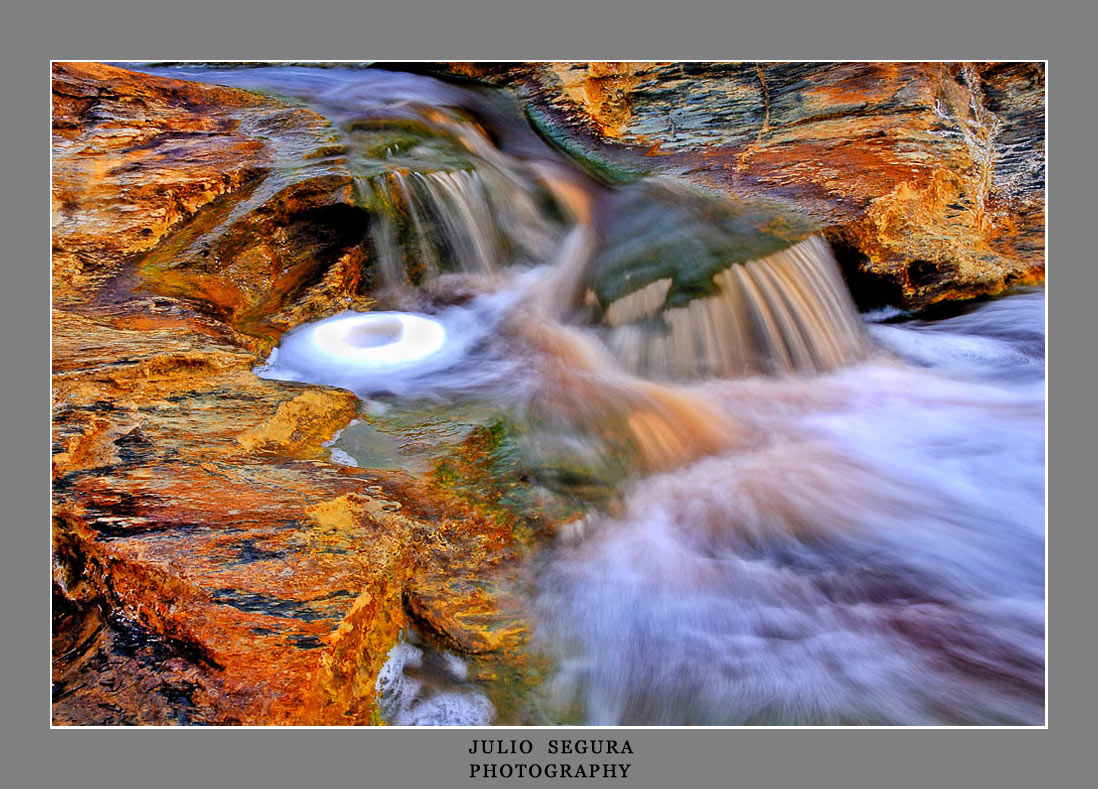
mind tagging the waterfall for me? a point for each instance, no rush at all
(443, 199)
(768, 545)
(457, 221)
(659, 271)
(788, 312)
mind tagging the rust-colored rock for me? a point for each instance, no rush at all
(929, 177)
(211, 565)
(256, 200)
(122, 141)
(302, 423)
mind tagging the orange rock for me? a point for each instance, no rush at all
(121, 140)
(927, 177)
(210, 564)
(301, 424)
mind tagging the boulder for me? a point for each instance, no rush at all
(927, 177)
(210, 564)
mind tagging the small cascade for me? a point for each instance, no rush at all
(771, 547)
(421, 222)
(580, 385)
(453, 221)
(444, 199)
(787, 312)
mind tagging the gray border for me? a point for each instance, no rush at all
(35, 756)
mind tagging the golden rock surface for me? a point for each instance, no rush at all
(211, 565)
(929, 178)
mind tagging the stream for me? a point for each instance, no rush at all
(806, 514)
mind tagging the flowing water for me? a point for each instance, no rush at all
(817, 517)
(872, 554)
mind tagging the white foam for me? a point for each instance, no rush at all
(997, 339)
(380, 339)
(874, 554)
(341, 458)
(395, 690)
(881, 314)
(448, 708)
(455, 666)
(405, 700)
(401, 353)
(964, 354)
(360, 350)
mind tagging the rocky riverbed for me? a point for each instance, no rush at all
(212, 563)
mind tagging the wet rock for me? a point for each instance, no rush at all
(477, 625)
(928, 177)
(304, 238)
(302, 424)
(209, 564)
(133, 157)
(217, 196)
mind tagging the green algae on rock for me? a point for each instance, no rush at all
(927, 177)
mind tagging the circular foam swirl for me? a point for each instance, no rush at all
(367, 351)
(378, 339)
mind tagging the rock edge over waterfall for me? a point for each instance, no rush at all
(929, 178)
(211, 565)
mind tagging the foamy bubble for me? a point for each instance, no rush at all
(406, 700)
(368, 352)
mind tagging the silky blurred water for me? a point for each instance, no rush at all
(859, 546)
(868, 550)
(874, 555)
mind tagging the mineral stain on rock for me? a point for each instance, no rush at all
(193, 499)
(940, 162)
(211, 564)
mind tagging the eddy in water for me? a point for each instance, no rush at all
(873, 555)
(824, 518)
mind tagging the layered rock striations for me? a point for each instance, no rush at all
(210, 563)
(928, 177)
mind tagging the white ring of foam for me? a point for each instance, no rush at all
(381, 339)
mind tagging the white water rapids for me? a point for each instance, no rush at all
(861, 546)
(834, 519)
(874, 555)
